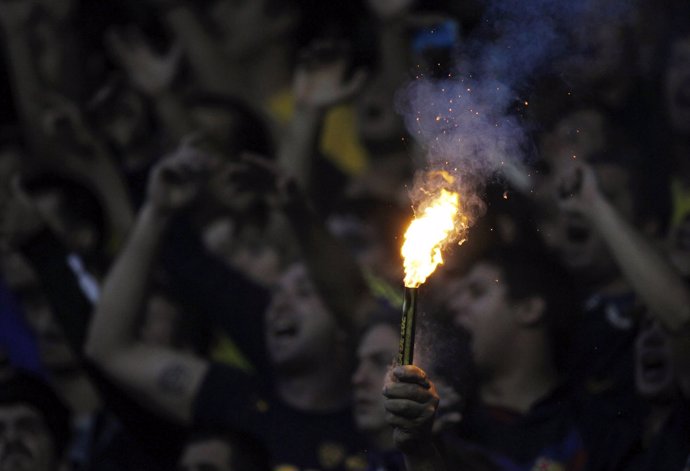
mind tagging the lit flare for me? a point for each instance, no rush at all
(439, 221)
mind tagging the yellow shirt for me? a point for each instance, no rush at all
(339, 139)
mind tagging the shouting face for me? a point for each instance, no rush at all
(654, 372)
(300, 330)
(481, 306)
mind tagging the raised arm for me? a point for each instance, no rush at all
(335, 272)
(153, 74)
(15, 19)
(320, 83)
(649, 272)
(76, 149)
(211, 67)
(645, 267)
(160, 377)
(411, 402)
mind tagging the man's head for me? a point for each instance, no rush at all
(119, 116)
(229, 128)
(34, 425)
(654, 368)
(56, 354)
(301, 332)
(511, 297)
(375, 354)
(214, 450)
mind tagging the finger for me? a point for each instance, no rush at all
(196, 163)
(412, 392)
(405, 408)
(411, 374)
(397, 421)
(179, 169)
(409, 425)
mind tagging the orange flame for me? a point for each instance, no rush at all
(440, 220)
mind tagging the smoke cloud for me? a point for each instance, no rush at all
(469, 123)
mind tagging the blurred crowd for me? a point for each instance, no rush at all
(202, 205)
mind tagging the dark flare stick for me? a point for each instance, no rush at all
(407, 326)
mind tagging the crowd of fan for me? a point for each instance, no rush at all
(201, 210)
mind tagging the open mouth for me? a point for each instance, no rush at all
(286, 331)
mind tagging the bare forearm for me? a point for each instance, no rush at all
(125, 286)
(26, 85)
(298, 147)
(654, 279)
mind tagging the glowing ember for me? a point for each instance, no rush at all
(439, 221)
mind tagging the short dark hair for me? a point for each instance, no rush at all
(24, 388)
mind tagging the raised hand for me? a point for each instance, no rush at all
(63, 124)
(411, 403)
(282, 188)
(577, 187)
(320, 80)
(150, 72)
(177, 180)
